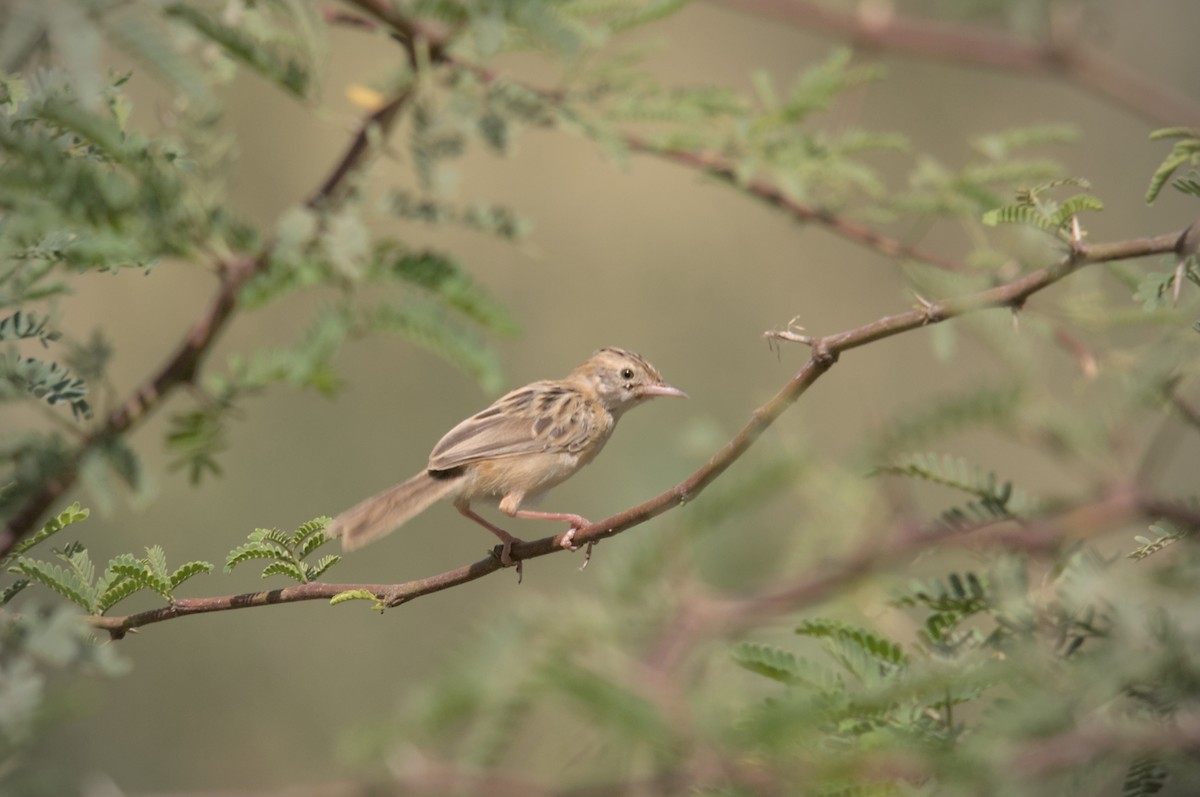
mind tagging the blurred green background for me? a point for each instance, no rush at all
(647, 256)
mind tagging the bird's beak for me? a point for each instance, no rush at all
(663, 389)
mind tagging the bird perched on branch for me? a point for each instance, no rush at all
(525, 443)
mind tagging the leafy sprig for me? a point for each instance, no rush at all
(75, 578)
(286, 552)
(1035, 209)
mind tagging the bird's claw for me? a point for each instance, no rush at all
(566, 541)
(506, 559)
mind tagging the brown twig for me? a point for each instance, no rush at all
(720, 168)
(825, 352)
(1063, 54)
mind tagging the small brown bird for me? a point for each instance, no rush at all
(526, 442)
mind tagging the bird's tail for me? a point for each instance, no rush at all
(389, 510)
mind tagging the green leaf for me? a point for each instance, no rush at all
(1001, 146)
(316, 570)
(1146, 776)
(156, 560)
(311, 532)
(117, 590)
(1165, 534)
(1185, 151)
(353, 595)
(962, 594)
(72, 514)
(1018, 214)
(248, 551)
(195, 439)
(289, 569)
(1072, 206)
(286, 71)
(286, 551)
(64, 581)
(27, 325)
(141, 572)
(445, 278)
(780, 665)
(863, 652)
(138, 35)
(188, 570)
(12, 590)
(46, 381)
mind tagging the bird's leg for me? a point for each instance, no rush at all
(577, 522)
(507, 539)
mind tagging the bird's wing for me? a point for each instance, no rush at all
(543, 416)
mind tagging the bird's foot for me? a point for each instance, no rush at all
(566, 540)
(506, 559)
(587, 554)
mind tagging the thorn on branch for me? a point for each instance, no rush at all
(932, 314)
(792, 334)
(1077, 233)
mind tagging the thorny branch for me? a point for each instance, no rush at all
(825, 353)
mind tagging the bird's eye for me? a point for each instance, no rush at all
(627, 373)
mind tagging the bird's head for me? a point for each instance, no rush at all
(623, 379)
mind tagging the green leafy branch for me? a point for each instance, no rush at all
(47, 381)
(287, 552)
(1033, 208)
(996, 500)
(950, 600)
(1185, 152)
(289, 67)
(76, 580)
(1001, 163)
(1165, 534)
(20, 326)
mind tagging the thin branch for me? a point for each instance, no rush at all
(825, 352)
(1064, 54)
(378, 122)
(722, 169)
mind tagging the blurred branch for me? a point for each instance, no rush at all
(1064, 53)
(720, 168)
(825, 353)
(181, 367)
(1082, 744)
(706, 617)
(709, 163)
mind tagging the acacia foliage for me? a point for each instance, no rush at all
(955, 682)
